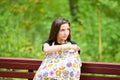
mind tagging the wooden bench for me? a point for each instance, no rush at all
(25, 68)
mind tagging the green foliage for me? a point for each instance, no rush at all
(25, 25)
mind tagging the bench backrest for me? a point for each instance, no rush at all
(100, 71)
(25, 68)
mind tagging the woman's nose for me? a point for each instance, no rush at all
(66, 32)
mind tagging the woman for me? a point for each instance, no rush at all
(62, 60)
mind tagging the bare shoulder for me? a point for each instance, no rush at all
(46, 44)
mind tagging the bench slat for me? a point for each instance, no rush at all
(19, 65)
(101, 64)
(101, 70)
(8, 74)
(98, 78)
(20, 60)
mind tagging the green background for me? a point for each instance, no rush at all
(25, 25)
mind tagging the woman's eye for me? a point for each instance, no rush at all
(68, 29)
(62, 30)
(65, 29)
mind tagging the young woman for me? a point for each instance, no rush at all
(62, 61)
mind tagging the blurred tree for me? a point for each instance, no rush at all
(74, 10)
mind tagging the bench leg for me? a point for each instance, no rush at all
(30, 71)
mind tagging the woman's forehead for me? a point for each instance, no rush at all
(64, 25)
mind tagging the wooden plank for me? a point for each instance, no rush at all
(101, 70)
(101, 64)
(19, 65)
(98, 78)
(28, 75)
(21, 60)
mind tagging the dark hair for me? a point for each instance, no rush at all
(55, 27)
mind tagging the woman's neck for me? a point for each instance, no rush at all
(61, 42)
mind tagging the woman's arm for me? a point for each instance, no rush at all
(48, 49)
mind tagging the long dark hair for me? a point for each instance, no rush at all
(55, 27)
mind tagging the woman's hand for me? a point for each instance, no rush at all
(70, 46)
(75, 47)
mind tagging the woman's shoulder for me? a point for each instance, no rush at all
(73, 42)
(48, 42)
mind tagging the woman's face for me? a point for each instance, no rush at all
(63, 33)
